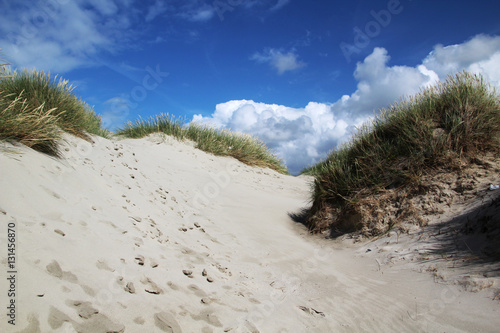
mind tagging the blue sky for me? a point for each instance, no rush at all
(301, 75)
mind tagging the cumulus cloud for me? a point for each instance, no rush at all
(304, 136)
(480, 54)
(282, 62)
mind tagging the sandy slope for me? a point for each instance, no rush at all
(153, 235)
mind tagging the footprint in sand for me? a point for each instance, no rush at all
(209, 317)
(101, 264)
(139, 259)
(93, 320)
(138, 241)
(60, 232)
(130, 288)
(172, 285)
(152, 288)
(197, 290)
(57, 318)
(206, 300)
(52, 193)
(167, 323)
(85, 309)
(205, 274)
(55, 270)
(224, 270)
(312, 311)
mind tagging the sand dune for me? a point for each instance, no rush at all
(153, 235)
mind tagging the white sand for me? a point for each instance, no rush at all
(153, 235)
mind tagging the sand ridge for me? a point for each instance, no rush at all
(153, 235)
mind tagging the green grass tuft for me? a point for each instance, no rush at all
(162, 123)
(244, 148)
(436, 129)
(37, 89)
(34, 110)
(34, 127)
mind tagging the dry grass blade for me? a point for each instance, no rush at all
(34, 109)
(36, 128)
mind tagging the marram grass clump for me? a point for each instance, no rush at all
(243, 147)
(437, 129)
(37, 88)
(35, 110)
(34, 127)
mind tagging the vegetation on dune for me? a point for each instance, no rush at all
(243, 147)
(35, 110)
(37, 89)
(438, 129)
(34, 127)
(162, 123)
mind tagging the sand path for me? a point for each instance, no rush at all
(153, 235)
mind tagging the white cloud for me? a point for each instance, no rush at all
(282, 62)
(196, 11)
(380, 85)
(105, 7)
(202, 14)
(299, 136)
(303, 136)
(158, 8)
(480, 54)
(280, 4)
(60, 36)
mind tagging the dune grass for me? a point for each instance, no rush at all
(34, 127)
(162, 123)
(438, 128)
(35, 110)
(243, 147)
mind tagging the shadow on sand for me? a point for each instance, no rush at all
(471, 239)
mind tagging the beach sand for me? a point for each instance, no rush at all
(153, 235)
